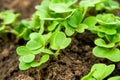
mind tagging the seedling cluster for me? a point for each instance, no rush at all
(50, 29)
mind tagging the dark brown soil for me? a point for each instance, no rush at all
(25, 7)
(72, 64)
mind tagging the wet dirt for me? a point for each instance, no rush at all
(73, 63)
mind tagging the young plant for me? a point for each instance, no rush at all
(47, 36)
(55, 20)
(37, 47)
(8, 19)
(99, 72)
(106, 26)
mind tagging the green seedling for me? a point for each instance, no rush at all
(106, 26)
(37, 45)
(22, 30)
(108, 5)
(99, 72)
(109, 37)
(8, 19)
(54, 20)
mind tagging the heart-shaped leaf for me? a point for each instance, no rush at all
(100, 42)
(53, 26)
(111, 5)
(35, 64)
(23, 50)
(59, 41)
(106, 30)
(81, 28)
(8, 16)
(46, 51)
(68, 29)
(38, 38)
(111, 54)
(88, 3)
(35, 22)
(24, 66)
(27, 58)
(90, 22)
(99, 72)
(44, 59)
(33, 45)
(42, 10)
(107, 19)
(75, 19)
(116, 38)
(60, 7)
(101, 34)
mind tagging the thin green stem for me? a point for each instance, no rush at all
(23, 32)
(57, 53)
(71, 14)
(42, 27)
(84, 13)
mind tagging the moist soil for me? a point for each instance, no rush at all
(72, 64)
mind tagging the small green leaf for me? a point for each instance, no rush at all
(53, 26)
(27, 58)
(35, 64)
(68, 29)
(44, 59)
(65, 43)
(100, 42)
(81, 28)
(75, 19)
(26, 34)
(107, 19)
(46, 51)
(24, 66)
(59, 41)
(100, 34)
(111, 54)
(35, 22)
(33, 45)
(59, 7)
(36, 51)
(23, 50)
(114, 78)
(42, 10)
(88, 3)
(116, 38)
(99, 72)
(90, 22)
(38, 38)
(106, 30)
(8, 16)
(111, 5)
(47, 36)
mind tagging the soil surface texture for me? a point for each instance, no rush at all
(72, 64)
